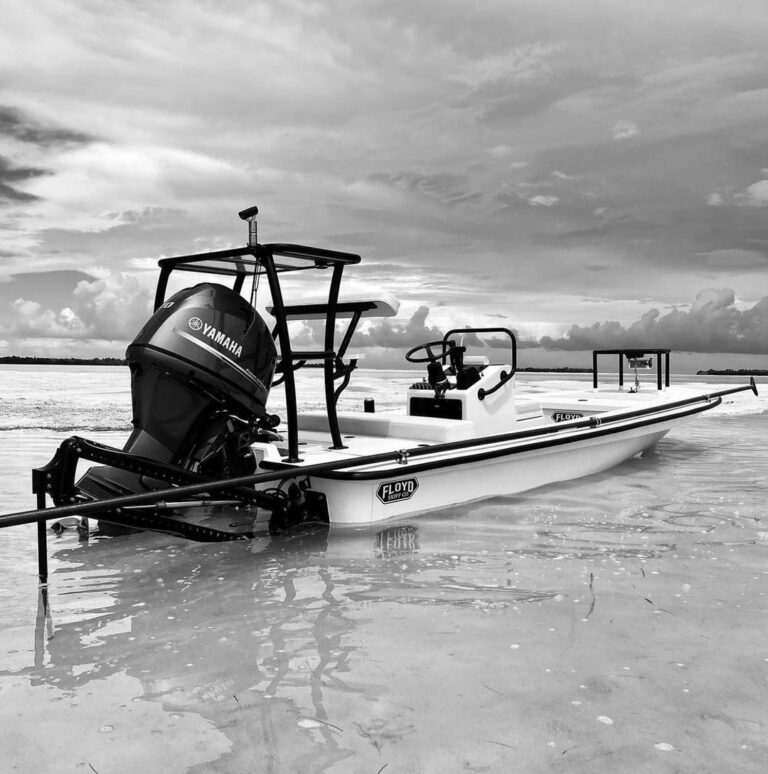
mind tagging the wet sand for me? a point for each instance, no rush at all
(615, 623)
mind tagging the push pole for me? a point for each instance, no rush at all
(42, 542)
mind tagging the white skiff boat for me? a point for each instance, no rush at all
(474, 441)
(207, 460)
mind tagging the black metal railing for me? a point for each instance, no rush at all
(662, 372)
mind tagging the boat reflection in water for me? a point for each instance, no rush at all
(260, 638)
(396, 541)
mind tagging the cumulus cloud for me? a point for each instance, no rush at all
(543, 200)
(400, 335)
(623, 130)
(711, 324)
(113, 308)
(31, 319)
(379, 333)
(755, 195)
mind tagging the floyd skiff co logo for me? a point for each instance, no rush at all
(195, 323)
(564, 416)
(395, 491)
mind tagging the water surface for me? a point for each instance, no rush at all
(616, 623)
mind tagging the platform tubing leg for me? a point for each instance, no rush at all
(42, 543)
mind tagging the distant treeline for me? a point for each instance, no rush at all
(17, 360)
(563, 370)
(113, 361)
(733, 372)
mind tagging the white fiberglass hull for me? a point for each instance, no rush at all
(480, 472)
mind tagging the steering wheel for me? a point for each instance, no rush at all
(447, 349)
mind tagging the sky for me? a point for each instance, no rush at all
(589, 173)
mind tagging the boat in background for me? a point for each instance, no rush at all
(207, 460)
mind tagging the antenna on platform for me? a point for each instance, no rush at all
(250, 215)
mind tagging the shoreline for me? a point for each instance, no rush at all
(114, 361)
(97, 361)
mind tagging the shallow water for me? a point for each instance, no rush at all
(616, 623)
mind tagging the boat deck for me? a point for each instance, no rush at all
(383, 432)
(315, 446)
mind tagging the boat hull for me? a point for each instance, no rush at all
(407, 488)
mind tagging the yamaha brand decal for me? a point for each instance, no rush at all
(218, 337)
(564, 416)
(395, 491)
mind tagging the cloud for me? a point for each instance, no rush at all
(566, 145)
(521, 65)
(20, 131)
(87, 176)
(399, 335)
(112, 308)
(503, 151)
(382, 333)
(16, 124)
(115, 307)
(715, 199)
(755, 195)
(30, 319)
(712, 324)
(543, 200)
(623, 130)
(10, 173)
(445, 187)
(385, 342)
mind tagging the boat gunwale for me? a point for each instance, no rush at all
(594, 427)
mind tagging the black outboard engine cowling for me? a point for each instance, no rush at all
(201, 369)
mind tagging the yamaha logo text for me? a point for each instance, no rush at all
(217, 336)
(395, 491)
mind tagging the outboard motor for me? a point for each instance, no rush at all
(201, 369)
